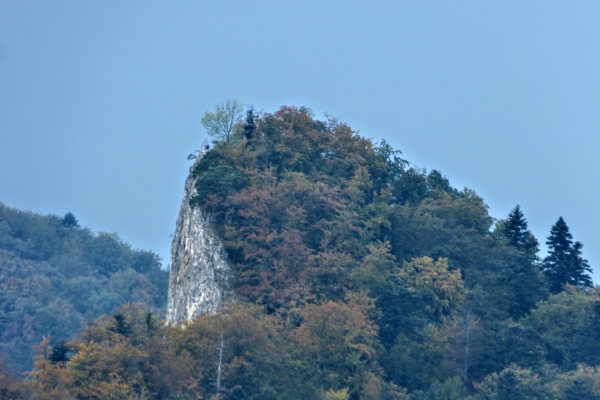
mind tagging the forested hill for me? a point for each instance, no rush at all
(356, 276)
(310, 211)
(55, 275)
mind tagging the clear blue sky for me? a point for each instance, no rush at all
(100, 101)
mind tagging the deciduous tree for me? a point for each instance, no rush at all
(221, 124)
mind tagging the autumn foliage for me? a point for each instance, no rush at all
(355, 277)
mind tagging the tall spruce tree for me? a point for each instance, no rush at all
(523, 282)
(580, 267)
(516, 233)
(250, 125)
(120, 325)
(60, 353)
(564, 264)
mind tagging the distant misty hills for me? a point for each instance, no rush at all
(56, 275)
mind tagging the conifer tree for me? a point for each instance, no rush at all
(60, 353)
(435, 180)
(516, 233)
(523, 282)
(564, 264)
(120, 325)
(69, 220)
(250, 125)
(580, 267)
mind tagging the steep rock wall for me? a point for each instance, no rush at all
(199, 271)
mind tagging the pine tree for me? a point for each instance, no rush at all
(564, 264)
(150, 322)
(70, 221)
(579, 267)
(516, 233)
(250, 125)
(60, 353)
(120, 325)
(523, 282)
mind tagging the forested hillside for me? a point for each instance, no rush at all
(56, 275)
(356, 276)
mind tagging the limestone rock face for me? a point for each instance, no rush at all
(199, 271)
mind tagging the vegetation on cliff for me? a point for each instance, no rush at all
(356, 277)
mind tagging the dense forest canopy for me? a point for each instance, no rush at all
(55, 275)
(356, 276)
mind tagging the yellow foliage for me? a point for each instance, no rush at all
(335, 395)
(441, 289)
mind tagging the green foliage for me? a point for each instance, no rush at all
(257, 362)
(250, 124)
(520, 277)
(422, 292)
(564, 264)
(223, 123)
(355, 277)
(335, 395)
(411, 187)
(516, 233)
(513, 383)
(60, 352)
(312, 215)
(582, 383)
(121, 326)
(55, 274)
(450, 389)
(567, 325)
(69, 220)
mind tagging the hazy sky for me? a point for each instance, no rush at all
(100, 101)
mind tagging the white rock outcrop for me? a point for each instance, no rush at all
(199, 270)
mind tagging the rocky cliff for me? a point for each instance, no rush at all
(199, 270)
